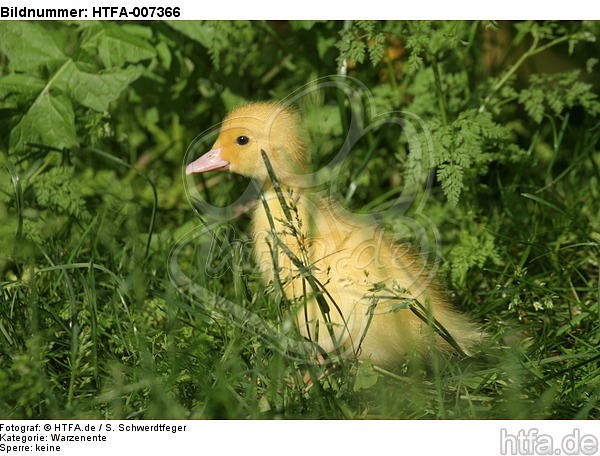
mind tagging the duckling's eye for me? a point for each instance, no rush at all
(242, 140)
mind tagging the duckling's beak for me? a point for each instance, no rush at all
(210, 161)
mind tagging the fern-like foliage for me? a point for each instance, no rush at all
(60, 191)
(360, 39)
(471, 252)
(232, 45)
(465, 148)
(554, 93)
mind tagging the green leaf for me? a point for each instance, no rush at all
(197, 31)
(557, 92)
(164, 54)
(451, 176)
(28, 45)
(366, 376)
(546, 203)
(376, 48)
(324, 43)
(60, 190)
(360, 38)
(302, 25)
(96, 91)
(226, 41)
(462, 149)
(50, 121)
(533, 100)
(46, 105)
(471, 252)
(116, 46)
(21, 87)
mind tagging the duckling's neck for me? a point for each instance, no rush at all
(287, 185)
(275, 194)
(279, 194)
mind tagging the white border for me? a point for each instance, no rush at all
(337, 10)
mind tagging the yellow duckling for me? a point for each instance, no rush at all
(355, 290)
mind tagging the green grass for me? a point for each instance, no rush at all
(93, 323)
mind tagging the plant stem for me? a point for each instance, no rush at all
(533, 50)
(438, 89)
(392, 74)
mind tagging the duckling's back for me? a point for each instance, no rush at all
(369, 282)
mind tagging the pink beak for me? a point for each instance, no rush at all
(210, 161)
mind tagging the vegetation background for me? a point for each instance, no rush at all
(95, 121)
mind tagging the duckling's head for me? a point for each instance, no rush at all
(249, 129)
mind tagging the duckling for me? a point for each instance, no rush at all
(355, 291)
